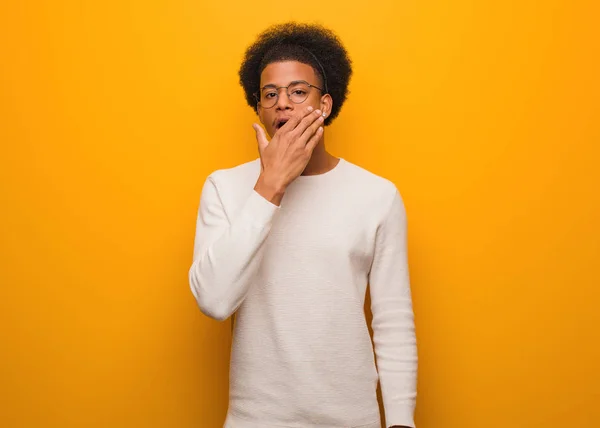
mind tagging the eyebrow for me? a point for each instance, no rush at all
(272, 85)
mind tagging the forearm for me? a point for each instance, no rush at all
(395, 347)
(222, 272)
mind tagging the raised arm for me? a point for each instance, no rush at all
(227, 252)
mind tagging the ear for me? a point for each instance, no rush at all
(326, 104)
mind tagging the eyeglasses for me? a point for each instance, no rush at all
(297, 92)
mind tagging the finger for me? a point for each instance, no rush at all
(311, 130)
(291, 124)
(261, 138)
(307, 121)
(314, 140)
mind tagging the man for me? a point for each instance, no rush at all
(290, 241)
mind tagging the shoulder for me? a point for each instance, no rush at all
(371, 186)
(380, 197)
(237, 174)
(234, 184)
(238, 179)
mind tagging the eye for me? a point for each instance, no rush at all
(270, 94)
(298, 92)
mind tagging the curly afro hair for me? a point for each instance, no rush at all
(311, 44)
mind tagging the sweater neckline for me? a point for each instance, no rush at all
(322, 176)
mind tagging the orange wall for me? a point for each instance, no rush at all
(485, 114)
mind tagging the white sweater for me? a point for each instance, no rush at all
(297, 276)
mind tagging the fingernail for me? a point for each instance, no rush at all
(318, 112)
(310, 108)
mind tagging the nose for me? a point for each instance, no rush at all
(283, 100)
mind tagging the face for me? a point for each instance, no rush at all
(282, 74)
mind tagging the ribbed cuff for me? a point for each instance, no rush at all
(400, 415)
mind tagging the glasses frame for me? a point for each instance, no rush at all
(277, 88)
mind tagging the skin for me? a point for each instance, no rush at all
(272, 183)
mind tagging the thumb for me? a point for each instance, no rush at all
(261, 138)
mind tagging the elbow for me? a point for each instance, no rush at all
(210, 303)
(214, 310)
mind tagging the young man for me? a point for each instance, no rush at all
(290, 241)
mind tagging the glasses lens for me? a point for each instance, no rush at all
(298, 92)
(268, 97)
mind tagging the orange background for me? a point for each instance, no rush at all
(485, 114)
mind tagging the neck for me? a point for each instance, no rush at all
(321, 161)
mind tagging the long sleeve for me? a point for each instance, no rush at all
(393, 320)
(227, 251)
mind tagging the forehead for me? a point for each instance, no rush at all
(284, 72)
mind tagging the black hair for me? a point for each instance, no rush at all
(311, 44)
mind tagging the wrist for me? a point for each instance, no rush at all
(270, 188)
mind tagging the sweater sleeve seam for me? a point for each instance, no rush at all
(391, 203)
